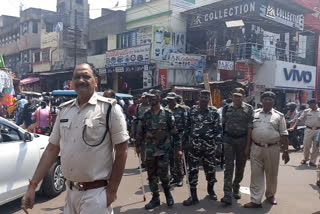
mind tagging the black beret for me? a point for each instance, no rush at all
(268, 94)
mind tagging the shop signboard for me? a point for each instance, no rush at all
(163, 76)
(282, 15)
(225, 65)
(187, 61)
(139, 55)
(298, 76)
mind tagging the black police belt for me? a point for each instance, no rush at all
(235, 136)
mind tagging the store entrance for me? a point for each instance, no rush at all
(129, 81)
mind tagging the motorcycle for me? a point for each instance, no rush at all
(296, 137)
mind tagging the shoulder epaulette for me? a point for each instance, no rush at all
(278, 112)
(62, 105)
(107, 100)
(258, 110)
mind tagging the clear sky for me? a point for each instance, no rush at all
(11, 7)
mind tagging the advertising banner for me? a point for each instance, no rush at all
(130, 56)
(166, 42)
(163, 76)
(187, 61)
(225, 65)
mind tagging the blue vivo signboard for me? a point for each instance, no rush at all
(296, 76)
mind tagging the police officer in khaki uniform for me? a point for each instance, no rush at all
(268, 133)
(311, 117)
(87, 133)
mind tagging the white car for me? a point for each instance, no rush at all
(20, 153)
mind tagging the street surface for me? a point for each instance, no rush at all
(297, 193)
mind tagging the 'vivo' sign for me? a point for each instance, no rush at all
(296, 75)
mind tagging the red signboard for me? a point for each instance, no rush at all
(163, 76)
(312, 21)
(247, 69)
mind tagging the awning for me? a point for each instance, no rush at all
(180, 88)
(29, 80)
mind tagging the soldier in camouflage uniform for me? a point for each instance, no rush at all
(180, 116)
(157, 127)
(237, 119)
(205, 133)
(141, 109)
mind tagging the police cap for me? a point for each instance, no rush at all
(312, 101)
(269, 94)
(238, 92)
(155, 93)
(145, 94)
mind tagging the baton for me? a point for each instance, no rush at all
(142, 186)
(186, 171)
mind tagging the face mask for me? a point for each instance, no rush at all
(153, 102)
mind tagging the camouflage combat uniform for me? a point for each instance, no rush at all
(235, 123)
(205, 133)
(141, 109)
(176, 167)
(156, 131)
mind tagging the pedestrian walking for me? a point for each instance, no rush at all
(205, 132)
(180, 116)
(237, 126)
(311, 118)
(269, 133)
(157, 127)
(91, 136)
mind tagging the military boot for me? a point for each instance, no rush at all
(193, 199)
(212, 194)
(155, 202)
(169, 198)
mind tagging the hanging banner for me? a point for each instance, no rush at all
(163, 76)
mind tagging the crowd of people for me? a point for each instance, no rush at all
(172, 140)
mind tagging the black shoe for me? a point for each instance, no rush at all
(155, 202)
(193, 199)
(169, 198)
(179, 183)
(212, 194)
(226, 200)
(237, 195)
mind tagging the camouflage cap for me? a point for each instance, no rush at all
(269, 94)
(145, 94)
(238, 92)
(171, 96)
(154, 93)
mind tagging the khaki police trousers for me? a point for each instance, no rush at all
(309, 141)
(85, 202)
(264, 163)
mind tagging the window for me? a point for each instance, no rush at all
(80, 18)
(137, 2)
(127, 40)
(35, 27)
(79, 1)
(25, 56)
(37, 57)
(25, 28)
(9, 134)
(101, 46)
(49, 27)
(45, 55)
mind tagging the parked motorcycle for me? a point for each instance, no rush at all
(296, 137)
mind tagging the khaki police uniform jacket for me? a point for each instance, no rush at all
(74, 124)
(311, 118)
(268, 127)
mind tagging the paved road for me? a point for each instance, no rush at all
(297, 193)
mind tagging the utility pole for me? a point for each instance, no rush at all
(75, 38)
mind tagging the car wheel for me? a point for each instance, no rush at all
(54, 182)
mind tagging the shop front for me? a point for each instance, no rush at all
(128, 69)
(290, 81)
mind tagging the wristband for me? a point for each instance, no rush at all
(33, 184)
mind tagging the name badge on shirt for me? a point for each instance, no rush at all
(64, 120)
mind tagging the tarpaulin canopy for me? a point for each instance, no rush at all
(29, 80)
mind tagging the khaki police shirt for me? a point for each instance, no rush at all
(79, 161)
(311, 118)
(268, 127)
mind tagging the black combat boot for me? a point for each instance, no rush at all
(212, 194)
(193, 199)
(155, 202)
(169, 198)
